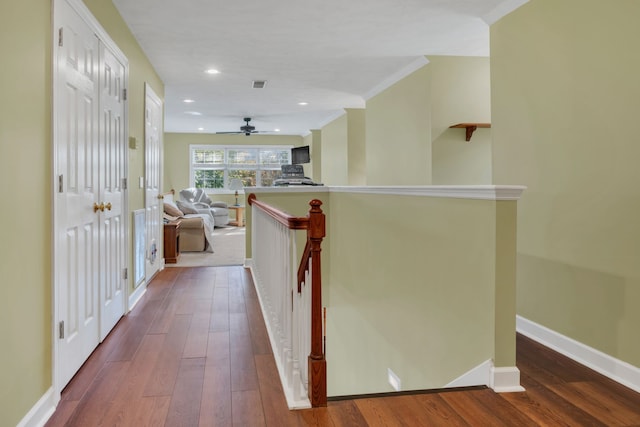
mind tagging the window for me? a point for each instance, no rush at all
(212, 166)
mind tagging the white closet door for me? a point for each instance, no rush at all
(153, 129)
(90, 159)
(113, 149)
(77, 225)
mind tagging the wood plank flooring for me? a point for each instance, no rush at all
(195, 352)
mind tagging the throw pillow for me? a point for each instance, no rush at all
(186, 207)
(172, 210)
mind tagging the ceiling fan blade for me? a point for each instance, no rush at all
(246, 129)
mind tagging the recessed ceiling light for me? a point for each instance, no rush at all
(188, 101)
(212, 71)
(276, 130)
(200, 128)
(193, 113)
(303, 103)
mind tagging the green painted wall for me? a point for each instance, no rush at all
(398, 132)
(316, 155)
(25, 163)
(399, 298)
(25, 168)
(565, 100)
(308, 167)
(357, 149)
(335, 153)
(460, 93)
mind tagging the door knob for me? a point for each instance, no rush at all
(98, 207)
(108, 206)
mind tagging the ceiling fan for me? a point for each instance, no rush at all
(247, 129)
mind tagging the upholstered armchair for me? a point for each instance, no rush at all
(197, 199)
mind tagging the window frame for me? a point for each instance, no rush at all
(226, 166)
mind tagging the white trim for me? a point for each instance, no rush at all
(137, 294)
(420, 62)
(478, 192)
(40, 413)
(292, 189)
(333, 116)
(502, 10)
(501, 380)
(481, 192)
(480, 375)
(505, 379)
(616, 369)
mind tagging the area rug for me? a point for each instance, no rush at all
(228, 249)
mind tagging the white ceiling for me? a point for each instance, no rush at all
(333, 54)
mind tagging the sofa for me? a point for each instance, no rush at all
(197, 200)
(196, 229)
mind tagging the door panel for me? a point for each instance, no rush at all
(76, 223)
(153, 165)
(112, 174)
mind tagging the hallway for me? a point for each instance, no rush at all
(195, 352)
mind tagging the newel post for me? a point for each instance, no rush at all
(316, 363)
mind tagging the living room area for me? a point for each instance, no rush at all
(199, 232)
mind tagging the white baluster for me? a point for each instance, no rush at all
(287, 313)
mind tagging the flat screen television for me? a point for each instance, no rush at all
(300, 155)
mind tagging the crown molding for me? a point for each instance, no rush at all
(333, 116)
(502, 10)
(420, 62)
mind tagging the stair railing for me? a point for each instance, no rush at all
(291, 297)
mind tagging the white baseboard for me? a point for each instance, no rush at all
(480, 375)
(137, 294)
(505, 379)
(41, 411)
(618, 370)
(501, 380)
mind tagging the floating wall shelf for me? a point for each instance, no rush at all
(470, 128)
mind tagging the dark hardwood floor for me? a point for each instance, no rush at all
(195, 352)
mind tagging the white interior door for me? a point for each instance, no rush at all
(113, 280)
(89, 128)
(153, 130)
(76, 192)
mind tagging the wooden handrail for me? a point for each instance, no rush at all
(304, 264)
(315, 225)
(289, 221)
